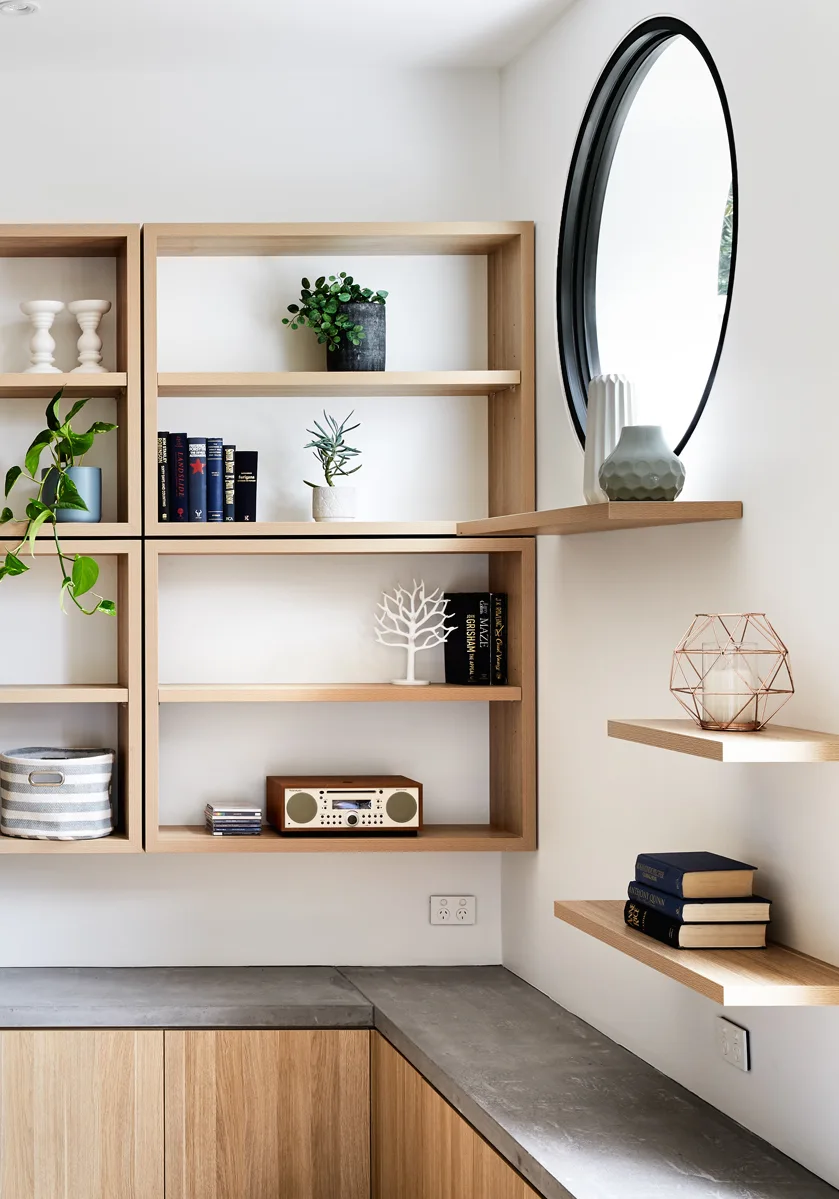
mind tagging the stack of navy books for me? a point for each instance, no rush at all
(696, 901)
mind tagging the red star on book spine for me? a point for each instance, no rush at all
(197, 467)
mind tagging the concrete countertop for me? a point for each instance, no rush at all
(578, 1116)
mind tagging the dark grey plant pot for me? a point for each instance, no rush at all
(88, 480)
(369, 354)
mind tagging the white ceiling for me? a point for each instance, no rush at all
(129, 34)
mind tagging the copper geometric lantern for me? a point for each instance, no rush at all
(731, 671)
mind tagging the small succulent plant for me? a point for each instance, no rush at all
(331, 450)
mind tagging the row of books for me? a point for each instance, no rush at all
(233, 820)
(476, 652)
(697, 901)
(202, 479)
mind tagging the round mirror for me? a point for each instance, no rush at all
(649, 231)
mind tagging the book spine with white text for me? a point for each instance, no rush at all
(163, 476)
(198, 478)
(229, 479)
(215, 484)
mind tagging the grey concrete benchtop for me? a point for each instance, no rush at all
(578, 1116)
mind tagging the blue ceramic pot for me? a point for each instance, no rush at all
(88, 481)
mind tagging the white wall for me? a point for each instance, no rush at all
(613, 606)
(245, 145)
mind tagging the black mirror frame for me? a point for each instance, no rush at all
(583, 208)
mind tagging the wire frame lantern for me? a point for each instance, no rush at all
(731, 671)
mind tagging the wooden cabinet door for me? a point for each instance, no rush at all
(268, 1115)
(422, 1148)
(81, 1115)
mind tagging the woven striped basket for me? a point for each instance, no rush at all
(56, 794)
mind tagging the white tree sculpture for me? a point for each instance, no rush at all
(413, 621)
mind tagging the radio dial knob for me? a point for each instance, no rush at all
(352, 819)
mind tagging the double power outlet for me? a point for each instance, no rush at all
(733, 1044)
(452, 909)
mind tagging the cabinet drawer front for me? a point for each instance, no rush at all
(279, 1114)
(81, 1115)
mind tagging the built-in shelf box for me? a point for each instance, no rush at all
(124, 386)
(602, 518)
(771, 977)
(775, 743)
(126, 693)
(512, 726)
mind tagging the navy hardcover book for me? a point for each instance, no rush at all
(229, 457)
(698, 875)
(498, 603)
(178, 488)
(215, 484)
(198, 478)
(696, 911)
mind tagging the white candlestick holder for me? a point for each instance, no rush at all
(42, 313)
(89, 313)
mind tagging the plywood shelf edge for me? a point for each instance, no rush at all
(775, 743)
(439, 838)
(237, 693)
(335, 383)
(773, 977)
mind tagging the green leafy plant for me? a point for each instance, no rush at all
(331, 450)
(67, 448)
(320, 308)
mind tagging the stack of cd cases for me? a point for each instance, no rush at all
(231, 820)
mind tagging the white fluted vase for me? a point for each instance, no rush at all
(610, 408)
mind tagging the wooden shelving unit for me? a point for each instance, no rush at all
(771, 977)
(776, 743)
(512, 723)
(121, 242)
(126, 692)
(311, 528)
(322, 384)
(508, 381)
(602, 518)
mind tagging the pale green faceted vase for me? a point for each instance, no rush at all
(642, 466)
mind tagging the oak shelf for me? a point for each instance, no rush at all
(437, 838)
(307, 528)
(115, 843)
(603, 518)
(777, 743)
(25, 386)
(336, 383)
(318, 693)
(69, 531)
(771, 977)
(63, 693)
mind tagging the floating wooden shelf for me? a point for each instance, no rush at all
(437, 838)
(338, 383)
(777, 743)
(43, 387)
(771, 977)
(320, 693)
(63, 693)
(308, 528)
(603, 518)
(115, 843)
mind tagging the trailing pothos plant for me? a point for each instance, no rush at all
(319, 308)
(67, 448)
(330, 449)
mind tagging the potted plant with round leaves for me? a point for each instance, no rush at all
(348, 319)
(334, 455)
(58, 498)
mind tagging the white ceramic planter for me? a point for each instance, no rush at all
(333, 503)
(610, 408)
